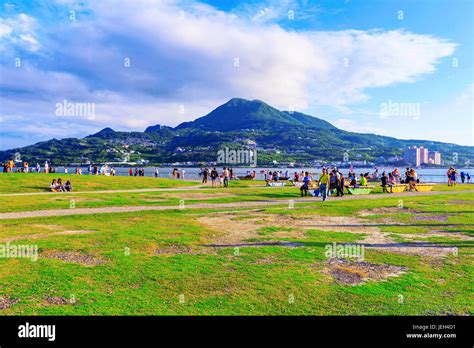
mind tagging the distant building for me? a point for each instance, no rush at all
(419, 155)
(412, 156)
(423, 155)
(434, 157)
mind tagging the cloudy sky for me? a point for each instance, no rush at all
(141, 63)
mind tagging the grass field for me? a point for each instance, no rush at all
(417, 251)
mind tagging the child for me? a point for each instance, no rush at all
(221, 180)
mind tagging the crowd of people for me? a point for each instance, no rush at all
(452, 175)
(58, 186)
(218, 179)
(331, 178)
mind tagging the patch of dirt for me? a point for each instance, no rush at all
(436, 233)
(152, 200)
(56, 300)
(382, 241)
(357, 272)
(265, 261)
(459, 201)
(74, 257)
(47, 227)
(45, 235)
(429, 217)
(76, 199)
(235, 231)
(199, 195)
(386, 211)
(6, 302)
(232, 232)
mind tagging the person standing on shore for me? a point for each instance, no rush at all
(214, 176)
(453, 177)
(46, 167)
(225, 174)
(205, 173)
(449, 174)
(38, 167)
(340, 184)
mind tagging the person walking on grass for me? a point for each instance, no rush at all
(323, 184)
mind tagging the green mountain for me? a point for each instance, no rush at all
(240, 114)
(280, 136)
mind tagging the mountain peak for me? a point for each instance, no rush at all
(154, 128)
(105, 131)
(239, 113)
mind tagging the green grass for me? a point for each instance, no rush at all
(248, 280)
(34, 182)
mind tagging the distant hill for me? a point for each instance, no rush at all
(281, 136)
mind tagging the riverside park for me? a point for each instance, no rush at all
(153, 246)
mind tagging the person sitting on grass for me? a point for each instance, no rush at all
(305, 187)
(363, 180)
(68, 186)
(53, 186)
(60, 185)
(412, 179)
(353, 182)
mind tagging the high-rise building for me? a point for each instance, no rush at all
(412, 156)
(434, 157)
(423, 155)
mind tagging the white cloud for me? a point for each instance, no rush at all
(19, 30)
(191, 60)
(359, 127)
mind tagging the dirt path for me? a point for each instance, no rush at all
(181, 188)
(249, 204)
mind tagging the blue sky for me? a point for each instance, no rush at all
(343, 61)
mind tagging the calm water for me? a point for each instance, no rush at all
(426, 175)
